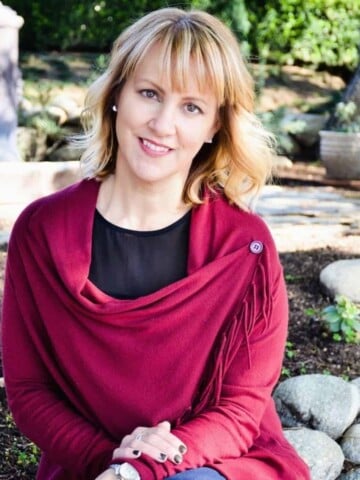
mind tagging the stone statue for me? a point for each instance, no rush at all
(10, 81)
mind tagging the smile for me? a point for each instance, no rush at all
(154, 147)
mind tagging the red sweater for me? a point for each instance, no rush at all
(83, 369)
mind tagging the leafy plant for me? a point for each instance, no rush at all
(347, 117)
(290, 278)
(289, 350)
(343, 319)
(285, 372)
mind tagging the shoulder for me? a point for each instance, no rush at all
(220, 228)
(51, 208)
(230, 220)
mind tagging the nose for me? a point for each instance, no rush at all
(163, 120)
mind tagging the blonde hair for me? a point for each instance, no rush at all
(239, 159)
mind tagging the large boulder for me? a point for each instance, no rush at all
(352, 475)
(31, 144)
(322, 454)
(356, 382)
(322, 402)
(342, 278)
(350, 444)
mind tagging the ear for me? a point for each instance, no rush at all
(216, 127)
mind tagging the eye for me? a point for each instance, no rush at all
(192, 108)
(148, 93)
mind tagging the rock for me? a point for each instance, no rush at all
(356, 382)
(4, 239)
(322, 454)
(353, 475)
(31, 144)
(311, 124)
(65, 154)
(57, 114)
(322, 402)
(350, 444)
(342, 278)
(68, 104)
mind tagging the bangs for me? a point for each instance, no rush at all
(187, 55)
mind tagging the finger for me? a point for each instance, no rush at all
(158, 444)
(165, 425)
(172, 439)
(154, 448)
(126, 452)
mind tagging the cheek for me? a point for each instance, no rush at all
(195, 134)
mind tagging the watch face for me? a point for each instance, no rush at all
(128, 472)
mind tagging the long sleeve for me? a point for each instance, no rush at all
(39, 408)
(229, 429)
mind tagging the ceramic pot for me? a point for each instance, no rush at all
(340, 153)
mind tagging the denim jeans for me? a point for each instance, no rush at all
(203, 473)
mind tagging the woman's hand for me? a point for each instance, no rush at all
(156, 442)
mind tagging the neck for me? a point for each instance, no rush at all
(140, 207)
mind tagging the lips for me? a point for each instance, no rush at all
(154, 147)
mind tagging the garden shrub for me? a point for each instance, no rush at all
(314, 32)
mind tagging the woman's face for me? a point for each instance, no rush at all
(160, 130)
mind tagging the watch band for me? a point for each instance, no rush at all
(116, 468)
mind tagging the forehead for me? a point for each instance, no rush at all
(176, 70)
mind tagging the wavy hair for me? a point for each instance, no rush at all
(198, 44)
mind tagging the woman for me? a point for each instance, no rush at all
(145, 311)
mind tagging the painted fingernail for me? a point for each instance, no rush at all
(182, 449)
(163, 457)
(178, 459)
(136, 453)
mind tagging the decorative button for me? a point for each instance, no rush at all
(256, 246)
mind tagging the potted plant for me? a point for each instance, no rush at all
(340, 146)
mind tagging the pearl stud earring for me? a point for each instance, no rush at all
(114, 108)
(209, 141)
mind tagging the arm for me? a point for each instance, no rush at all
(39, 408)
(229, 429)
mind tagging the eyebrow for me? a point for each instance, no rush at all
(162, 91)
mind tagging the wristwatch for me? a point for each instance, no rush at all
(125, 471)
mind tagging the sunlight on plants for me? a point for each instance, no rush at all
(343, 320)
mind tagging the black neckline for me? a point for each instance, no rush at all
(141, 233)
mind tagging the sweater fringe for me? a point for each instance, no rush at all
(250, 315)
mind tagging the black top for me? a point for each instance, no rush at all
(129, 264)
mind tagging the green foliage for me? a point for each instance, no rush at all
(285, 372)
(316, 32)
(26, 454)
(89, 24)
(29, 456)
(290, 279)
(347, 117)
(343, 320)
(289, 350)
